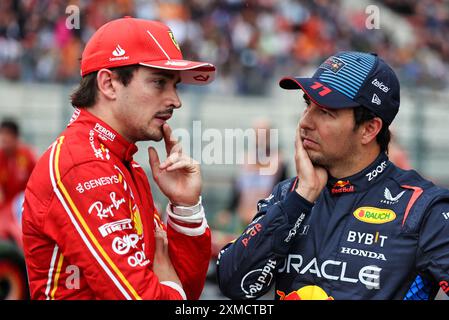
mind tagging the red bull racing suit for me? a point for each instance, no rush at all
(380, 234)
(89, 222)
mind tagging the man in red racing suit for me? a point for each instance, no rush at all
(90, 227)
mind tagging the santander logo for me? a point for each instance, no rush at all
(118, 52)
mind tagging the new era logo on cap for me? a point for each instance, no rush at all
(376, 100)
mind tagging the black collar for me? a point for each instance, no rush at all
(363, 180)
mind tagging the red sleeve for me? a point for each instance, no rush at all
(190, 255)
(96, 230)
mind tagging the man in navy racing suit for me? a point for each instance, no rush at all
(351, 225)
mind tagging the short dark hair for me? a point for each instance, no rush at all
(85, 95)
(11, 126)
(361, 115)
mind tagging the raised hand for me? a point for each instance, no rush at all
(312, 179)
(179, 176)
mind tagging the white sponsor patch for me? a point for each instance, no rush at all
(122, 245)
(264, 278)
(104, 133)
(112, 227)
(332, 270)
(94, 183)
(389, 199)
(379, 169)
(138, 259)
(107, 211)
(380, 85)
(118, 51)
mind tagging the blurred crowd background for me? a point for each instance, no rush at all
(253, 43)
(254, 39)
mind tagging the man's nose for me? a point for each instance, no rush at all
(307, 121)
(175, 102)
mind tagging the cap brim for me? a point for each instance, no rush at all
(192, 72)
(319, 92)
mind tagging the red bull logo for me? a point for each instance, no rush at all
(444, 286)
(305, 293)
(342, 187)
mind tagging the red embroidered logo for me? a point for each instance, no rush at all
(325, 90)
(445, 286)
(342, 187)
(201, 77)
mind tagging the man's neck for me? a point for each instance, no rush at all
(356, 163)
(107, 116)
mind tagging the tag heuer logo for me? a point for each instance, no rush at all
(118, 52)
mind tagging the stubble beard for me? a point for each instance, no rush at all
(152, 134)
(319, 160)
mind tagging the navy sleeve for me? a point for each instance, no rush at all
(246, 267)
(433, 253)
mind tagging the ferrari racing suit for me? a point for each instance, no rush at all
(89, 222)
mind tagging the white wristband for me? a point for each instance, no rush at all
(186, 211)
(194, 218)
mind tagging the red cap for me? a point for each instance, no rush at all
(130, 41)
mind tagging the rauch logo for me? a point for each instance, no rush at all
(374, 215)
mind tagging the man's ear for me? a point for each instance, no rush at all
(370, 129)
(106, 85)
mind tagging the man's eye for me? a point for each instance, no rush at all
(160, 82)
(325, 112)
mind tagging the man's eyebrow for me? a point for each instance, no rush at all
(164, 74)
(307, 99)
(167, 75)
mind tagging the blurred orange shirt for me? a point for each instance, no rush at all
(15, 170)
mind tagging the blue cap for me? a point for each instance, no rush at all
(351, 79)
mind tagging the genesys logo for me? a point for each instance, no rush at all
(374, 215)
(98, 182)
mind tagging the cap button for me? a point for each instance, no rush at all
(127, 17)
